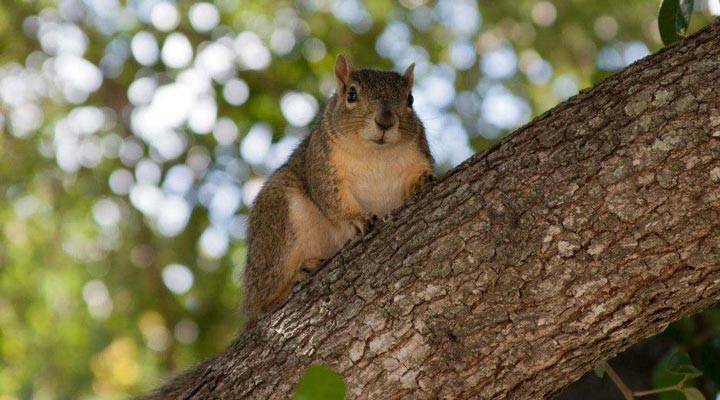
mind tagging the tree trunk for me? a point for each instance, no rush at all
(592, 227)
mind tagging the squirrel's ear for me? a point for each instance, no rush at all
(343, 69)
(410, 74)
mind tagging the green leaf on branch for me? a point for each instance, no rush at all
(320, 383)
(673, 19)
(599, 369)
(693, 394)
(680, 364)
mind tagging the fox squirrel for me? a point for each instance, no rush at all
(364, 156)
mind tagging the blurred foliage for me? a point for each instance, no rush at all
(134, 134)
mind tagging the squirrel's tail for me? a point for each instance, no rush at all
(178, 386)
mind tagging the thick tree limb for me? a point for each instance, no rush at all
(587, 230)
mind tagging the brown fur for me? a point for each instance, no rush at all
(345, 172)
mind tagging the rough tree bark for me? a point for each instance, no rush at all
(590, 228)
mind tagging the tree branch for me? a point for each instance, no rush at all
(626, 392)
(592, 227)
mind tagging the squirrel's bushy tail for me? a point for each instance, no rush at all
(176, 387)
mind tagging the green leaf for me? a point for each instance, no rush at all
(693, 394)
(320, 383)
(599, 369)
(673, 19)
(662, 378)
(682, 19)
(680, 364)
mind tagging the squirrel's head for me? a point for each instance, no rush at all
(375, 106)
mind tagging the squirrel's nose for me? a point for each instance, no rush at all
(385, 120)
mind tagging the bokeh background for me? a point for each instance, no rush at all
(134, 135)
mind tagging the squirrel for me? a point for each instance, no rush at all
(364, 156)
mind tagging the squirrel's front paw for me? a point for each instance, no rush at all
(422, 180)
(365, 223)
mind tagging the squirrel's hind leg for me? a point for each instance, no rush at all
(315, 237)
(307, 267)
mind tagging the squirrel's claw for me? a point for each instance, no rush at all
(423, 180)
(374, 219)
(426, 178)
(364, 224)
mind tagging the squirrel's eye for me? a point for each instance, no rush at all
(410, 100)
(352, 95)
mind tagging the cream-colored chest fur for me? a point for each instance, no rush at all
(378, 178)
